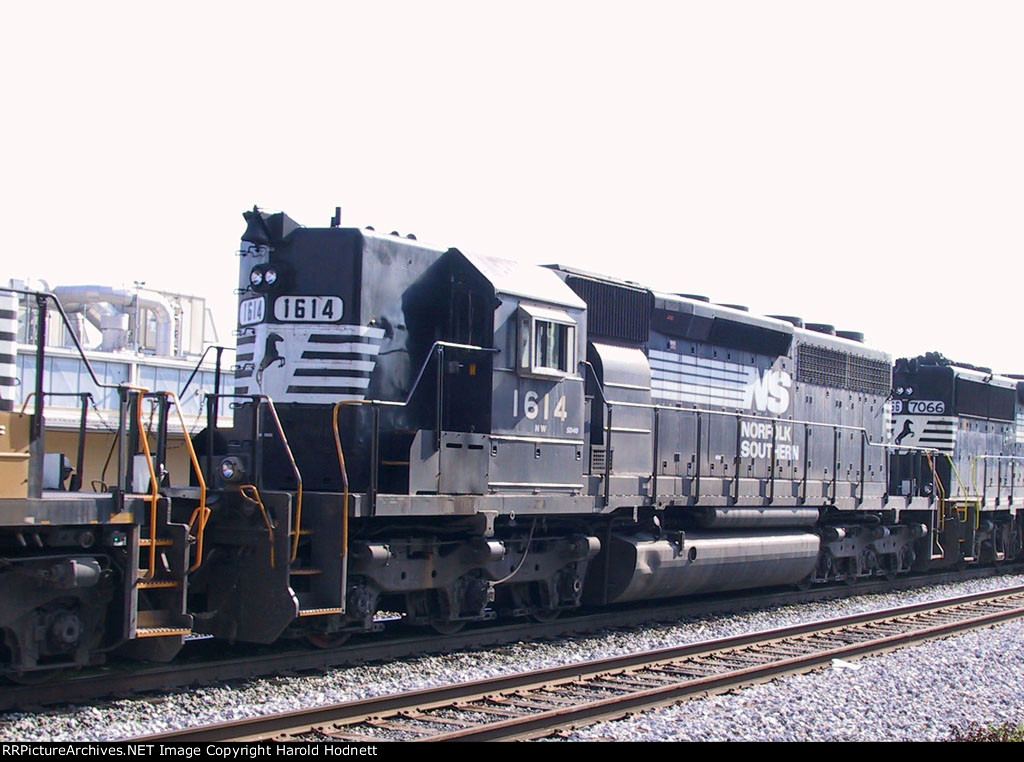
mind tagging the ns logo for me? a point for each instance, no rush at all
(768, 392)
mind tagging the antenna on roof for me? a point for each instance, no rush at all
(336, 219)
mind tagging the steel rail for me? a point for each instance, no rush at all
(126, 678)
(532, 726)
(515, 690)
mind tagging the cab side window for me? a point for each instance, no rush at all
(547, 342)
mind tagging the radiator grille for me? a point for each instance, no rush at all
(614, 311)
(841, 370)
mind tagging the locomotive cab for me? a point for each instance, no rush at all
(422, 390)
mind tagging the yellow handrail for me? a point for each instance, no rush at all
(295, 468)
(202, 511)
(967, 497)
(154, 483)
(974, 473)
(956, 473)
(344, 475)
(940, 491)
(255, 498)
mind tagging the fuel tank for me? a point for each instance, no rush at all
(757, 518)
(643, 566)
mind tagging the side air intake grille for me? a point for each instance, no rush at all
(841, 370)
(614, 311)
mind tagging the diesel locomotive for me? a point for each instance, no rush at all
(458, 438)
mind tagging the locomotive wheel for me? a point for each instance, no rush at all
(961, 561)
(543, 616)
(988, 553)
(447, 628)
(325, 642)
(37, 677)
(528, 598)
(888, 567)
(427, 608)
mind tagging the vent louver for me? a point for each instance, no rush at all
(840, 370)
(614, 311)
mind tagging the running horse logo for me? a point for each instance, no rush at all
(907, 431)
(271, 357)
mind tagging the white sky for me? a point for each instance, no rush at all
(856, 163)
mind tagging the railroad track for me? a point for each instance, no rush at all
(535, 704)
(131, 678)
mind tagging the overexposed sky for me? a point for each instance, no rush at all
(855, 163)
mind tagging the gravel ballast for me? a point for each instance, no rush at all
(916, 693)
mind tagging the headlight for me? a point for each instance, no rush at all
(910, 390)
(256, 278)
(899, 390)
(270, 276)
(231, 470)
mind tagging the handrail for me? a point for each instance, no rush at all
(940, 491)
(255, 499)
(37, 423)
(608, 439)
(84, 398)
(154, 483)
(956, 473)
(423, 368)
(39, 393)
(344, 504)
(43, 295)
(288, 452)
(199, 365)
(202, 511)
(437, 345)
(295, 469)
(974, 474)
(698, 412)
(755, 417)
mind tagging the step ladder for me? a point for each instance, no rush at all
(303, 571)
(158, 596)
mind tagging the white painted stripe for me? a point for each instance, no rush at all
(363, 365)
(729, 369)
(702, 362)
(358, 330)
(688, 399)
(695, 398)
(703, 399)
(675, 386)
(319, 399)
(698, 378)
(339, 381)
(700, 373)
(7, 347)
(348, 347)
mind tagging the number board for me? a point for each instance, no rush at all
(250, 311)
(926, 407)
(308, 309)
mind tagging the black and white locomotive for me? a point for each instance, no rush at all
(459, 438)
